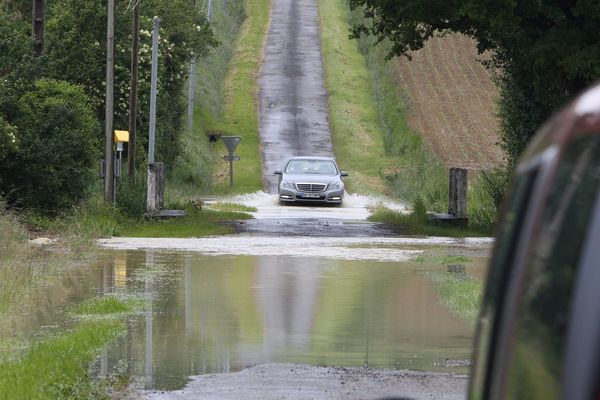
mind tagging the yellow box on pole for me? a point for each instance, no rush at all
(121, 136)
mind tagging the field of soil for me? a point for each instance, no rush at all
(452, 102)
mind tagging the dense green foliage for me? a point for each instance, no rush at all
(543, 52)
(51, 166)
(75, 52)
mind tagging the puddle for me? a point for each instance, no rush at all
(211, 310)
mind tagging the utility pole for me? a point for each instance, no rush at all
(224, 6)
(110, 88)
(153, 89)
(192, 86)
(210, 10)
(39, 24)
(135, 46)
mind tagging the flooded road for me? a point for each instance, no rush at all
(347, 220)
(220, 305)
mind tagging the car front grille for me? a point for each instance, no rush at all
(311, 187)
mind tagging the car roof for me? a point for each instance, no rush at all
(580, 117)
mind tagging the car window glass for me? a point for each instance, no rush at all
(534, 369)
(506, 246)
(322, 167)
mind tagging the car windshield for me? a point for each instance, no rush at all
(323, 167)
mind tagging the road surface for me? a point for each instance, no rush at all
(293, 101)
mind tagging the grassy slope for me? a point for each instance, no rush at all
(356, 133)
(240, 116)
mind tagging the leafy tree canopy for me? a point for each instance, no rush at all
(544, 51)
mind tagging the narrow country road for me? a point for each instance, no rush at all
(293, 99)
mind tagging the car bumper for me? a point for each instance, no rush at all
(328, 196)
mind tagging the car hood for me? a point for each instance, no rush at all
(311, 178)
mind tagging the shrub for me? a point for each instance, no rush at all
(58, 141)
(131, 195)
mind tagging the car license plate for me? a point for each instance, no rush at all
(311, 195)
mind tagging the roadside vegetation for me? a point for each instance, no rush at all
(368, 111)
(240, 115)
(52, 190)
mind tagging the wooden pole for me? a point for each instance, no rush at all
(39, 24)
(135, 46)
(109, 116)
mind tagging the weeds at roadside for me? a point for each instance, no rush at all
(419, 225)
(232, 207)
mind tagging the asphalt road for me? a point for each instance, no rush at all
(293, 101)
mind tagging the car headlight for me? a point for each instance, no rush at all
(286, 185)
(336, 185)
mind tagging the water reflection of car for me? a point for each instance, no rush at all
(311, 179)
(539, 329)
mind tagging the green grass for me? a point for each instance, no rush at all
(108, 305)
(57, 368)
(240, 114)
(356, 132)
(419, 225)
(232, 207)
(195, 224)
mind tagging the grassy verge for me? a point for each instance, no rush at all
(194, 169)
(368, 111)
(195, 224)
(233, 207)
(240, 116)
(417, 223)
(57, 367)
(356, 133)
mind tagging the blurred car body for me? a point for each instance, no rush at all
(538, 334)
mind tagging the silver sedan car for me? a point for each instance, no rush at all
(311, 179)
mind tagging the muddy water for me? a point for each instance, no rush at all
(210, 313)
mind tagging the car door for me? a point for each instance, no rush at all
(524, 334)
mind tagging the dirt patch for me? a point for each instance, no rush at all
(291, 381)
(453, 102)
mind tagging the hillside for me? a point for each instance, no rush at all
(452, 102)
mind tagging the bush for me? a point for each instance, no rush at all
(131, 195)
(58, 142)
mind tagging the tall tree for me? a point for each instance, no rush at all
(543, 51)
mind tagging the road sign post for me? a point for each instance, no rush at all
(231, 142)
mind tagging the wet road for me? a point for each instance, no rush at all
(293, 100)
(347, 220)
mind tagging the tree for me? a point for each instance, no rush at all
(51, 165)
(543, 52)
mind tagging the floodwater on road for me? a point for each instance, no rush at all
(224, 304)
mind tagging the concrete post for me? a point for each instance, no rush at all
(156, 187)
(457, 192)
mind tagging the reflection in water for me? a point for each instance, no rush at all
(210, 314)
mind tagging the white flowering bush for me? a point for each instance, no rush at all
(8, 138)
(76, 49)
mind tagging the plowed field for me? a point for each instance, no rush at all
(453, 102)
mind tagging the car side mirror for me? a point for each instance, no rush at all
(344, 173)
(278, 172)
